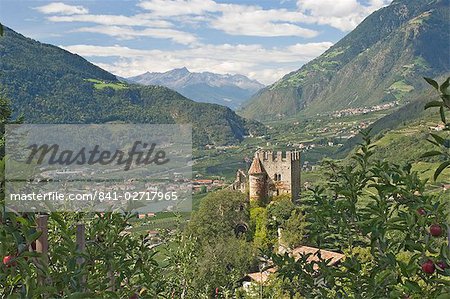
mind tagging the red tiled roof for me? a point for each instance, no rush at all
(325, 254)
(203, 181)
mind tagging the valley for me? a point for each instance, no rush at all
(318, 138)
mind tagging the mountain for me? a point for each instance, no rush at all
(227, 90)
(47, 84)
(411, 113)
(382, 60)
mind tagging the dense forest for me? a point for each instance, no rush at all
(46, 84)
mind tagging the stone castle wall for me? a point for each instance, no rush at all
(283, 172)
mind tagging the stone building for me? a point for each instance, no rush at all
(271, 174)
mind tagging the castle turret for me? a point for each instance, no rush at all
(257, 180)
(271, 174)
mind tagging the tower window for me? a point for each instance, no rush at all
(275, 177)
(279, 177)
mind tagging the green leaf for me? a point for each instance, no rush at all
(413, 286)
(433, 142)
(445, 86)
(431, 154)
(433, 104)
(410, 245)
(442, 112)
(440, 169)
(33, 237)
(432, 82)
(446, 99)
(22, 221)
(80, 295)
(438, 139)
(443, 296)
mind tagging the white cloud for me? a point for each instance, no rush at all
(253, 21)
(178, 21)
(269, 75)
(62, 9)
(330, 8)
(130, 33)
(250, 60)
(170, 8)
(122, 27)
(344, 15)
(233, 19)
(265, 29)
(115, 20)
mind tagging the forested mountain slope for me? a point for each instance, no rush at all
(381, 60)
(50, 85)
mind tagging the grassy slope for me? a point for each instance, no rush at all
(409, 114)
(407, 143)
(382, 60)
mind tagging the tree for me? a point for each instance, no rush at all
(294, 229)
(393, 239)
(258, 225)
(223, 263)
(442, 144)
(220, 253)
(397, 225)
(219, 214)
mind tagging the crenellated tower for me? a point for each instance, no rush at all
(274, 173)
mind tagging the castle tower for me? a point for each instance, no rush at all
(257, 180)
(271, 174)
(282, 171)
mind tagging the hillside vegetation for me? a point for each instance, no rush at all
(49, 85)
(382, 60)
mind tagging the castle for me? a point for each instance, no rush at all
(271, 174)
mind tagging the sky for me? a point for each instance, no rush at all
(263, 40)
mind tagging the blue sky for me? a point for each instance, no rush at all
(260, 39)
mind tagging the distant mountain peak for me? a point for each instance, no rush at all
(182, 70)
(224, 89)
